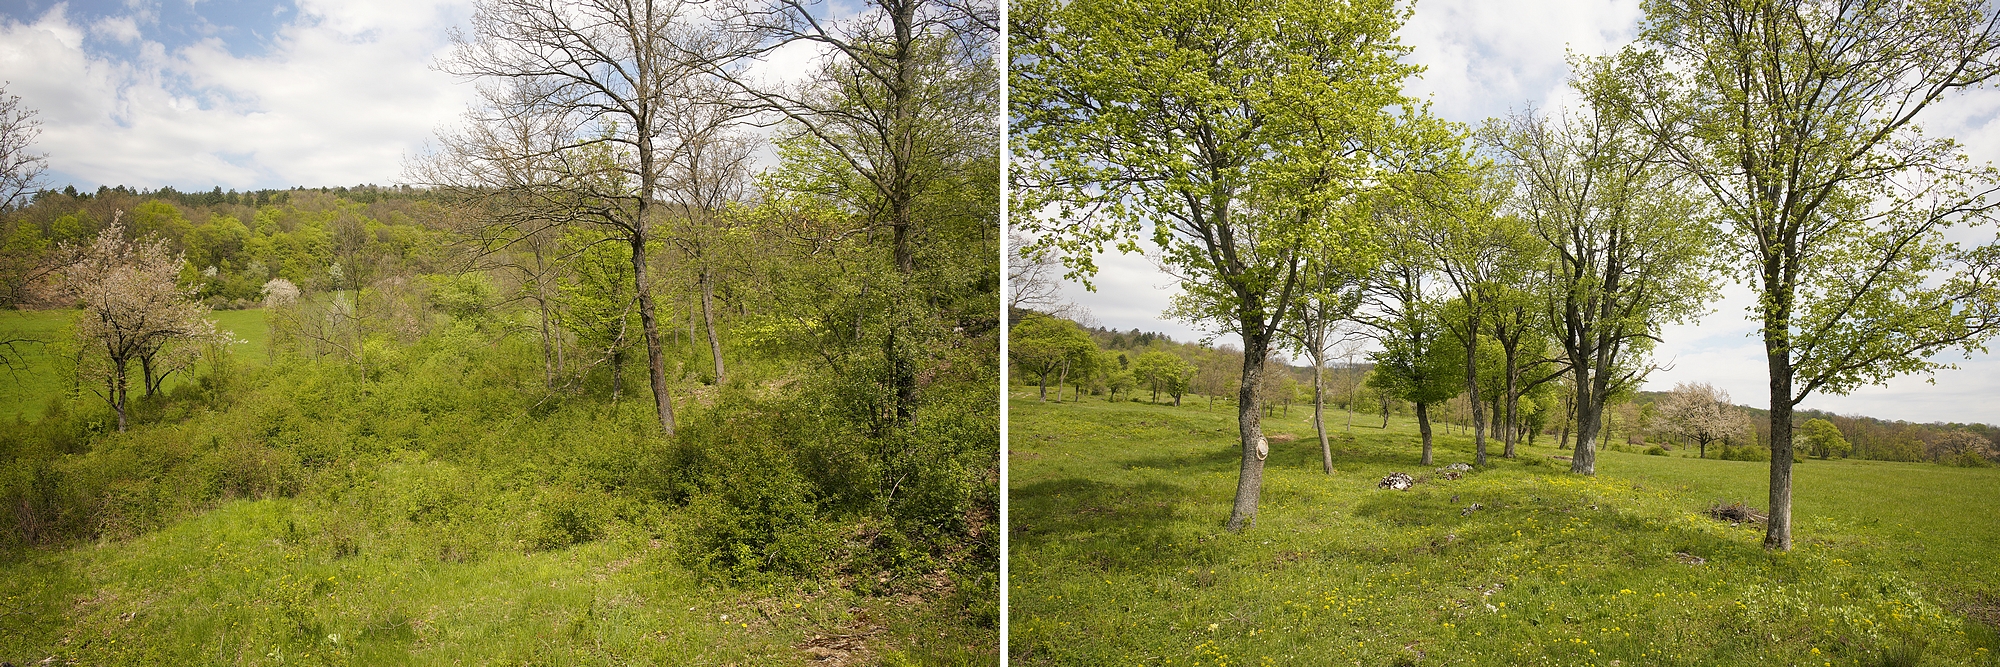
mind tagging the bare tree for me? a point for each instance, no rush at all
(20, 167)
(600, 84)
(1032, 278)
(134, 309)
(904, 99)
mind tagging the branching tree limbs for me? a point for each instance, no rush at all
(1399, 307)
(20, 167)
(1798, 120)
(1626, 250)
(894, 122)
(1331, 294)
(595, 88)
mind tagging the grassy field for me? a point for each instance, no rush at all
(25, 394)
(1118, 554)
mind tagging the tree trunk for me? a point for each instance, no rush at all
(1424, 427)
(656, 362)
(118, 391)
(1043, 380)
(1319, 417)
(708, 317)
(146, 373)
(1472, 388)
(1569, 418)
(1583, 459)
(1777, 350)
(1513, 433)
(1062, 376)
(1249, 421)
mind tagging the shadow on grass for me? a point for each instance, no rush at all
(1111, 527)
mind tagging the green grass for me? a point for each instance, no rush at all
(308, 517)
(1119, 557)
(285, 581)
(25, 392)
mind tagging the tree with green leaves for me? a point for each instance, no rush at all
(1330, 295)
(1235, 131)
(1626, 248)
(1046, 346)
(1473, 246)
(1798, 120)
(1164, 371)
(1823, 439)
(1415, 363)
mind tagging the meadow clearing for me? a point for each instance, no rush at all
(1119, 556)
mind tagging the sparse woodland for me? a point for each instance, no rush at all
(1525, 268)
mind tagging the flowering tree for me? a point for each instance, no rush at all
(134, 309)
(1701, 413)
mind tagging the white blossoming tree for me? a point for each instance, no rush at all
(134, 310)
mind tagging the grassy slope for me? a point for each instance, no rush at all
(229, 587)
(25, 393)
(1118, 556)
(349, 571)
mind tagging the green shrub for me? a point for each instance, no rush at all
(567, 518)
(1966, 460)
(1745, 453)
(1656, 450)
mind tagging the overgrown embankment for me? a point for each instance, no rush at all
(439, 507)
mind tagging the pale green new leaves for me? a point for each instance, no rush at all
(1237, 131)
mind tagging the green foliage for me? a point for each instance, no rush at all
(466, 297)
(1160, 371)
(1046, 346)
(1744, 453)
(1823, 440)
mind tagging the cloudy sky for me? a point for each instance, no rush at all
(1487, 58)
(196, 94)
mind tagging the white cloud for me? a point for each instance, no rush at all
(122, 29)
(1484, 58)
(341, 95)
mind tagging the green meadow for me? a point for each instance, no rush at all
(1119, 557)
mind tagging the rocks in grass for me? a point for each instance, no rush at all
(1736, 513)
(1449, 474)
(1688, 558)
(1461, 467)
(1397, 481)
(1470, 509)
